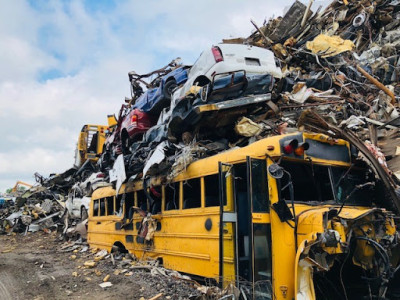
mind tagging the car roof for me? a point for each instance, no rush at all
(267, 55)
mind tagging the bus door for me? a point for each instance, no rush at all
(228, 227)
(259, 229)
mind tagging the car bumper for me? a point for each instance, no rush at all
(199, 110)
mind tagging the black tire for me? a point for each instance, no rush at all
(169, 86)
(84, 214)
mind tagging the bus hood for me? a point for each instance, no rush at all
(355, 252)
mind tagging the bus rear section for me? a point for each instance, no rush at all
(287, 217)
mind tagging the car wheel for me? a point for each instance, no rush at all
(84, 214)
(169, 87)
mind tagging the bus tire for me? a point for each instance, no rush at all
(118, 247)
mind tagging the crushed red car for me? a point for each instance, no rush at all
(131, 125)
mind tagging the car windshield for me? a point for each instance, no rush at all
(318, 183)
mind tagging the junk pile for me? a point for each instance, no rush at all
(342, 62)
(339, 65)
(50, 204)
(162, 282)
(37, 209)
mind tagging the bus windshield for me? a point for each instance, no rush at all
(331, 184)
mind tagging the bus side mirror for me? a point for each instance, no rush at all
(280, 207)
(276, 171)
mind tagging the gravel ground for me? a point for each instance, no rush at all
(36, 266)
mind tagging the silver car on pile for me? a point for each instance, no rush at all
(225, 58)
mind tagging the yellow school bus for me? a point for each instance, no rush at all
(90, 143)
(287, 217)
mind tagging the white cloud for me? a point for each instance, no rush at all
(23, 163)
(49, 161)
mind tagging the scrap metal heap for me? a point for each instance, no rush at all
(36, 209)
(42, 207)
(341, 62)
(340, 76)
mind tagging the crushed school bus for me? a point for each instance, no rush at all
(301, 219)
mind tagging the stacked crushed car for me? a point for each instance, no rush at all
(341, 62)
(193, 109)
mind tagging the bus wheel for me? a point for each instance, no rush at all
(118, 248)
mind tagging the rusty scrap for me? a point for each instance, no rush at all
(378, 84)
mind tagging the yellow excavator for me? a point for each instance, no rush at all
(91, 141)
(17, 184)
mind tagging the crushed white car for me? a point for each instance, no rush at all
(225, 58)
(93, 182)
(77, 205)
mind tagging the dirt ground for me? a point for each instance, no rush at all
(36, 266)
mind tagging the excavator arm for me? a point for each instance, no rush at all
(18, 183)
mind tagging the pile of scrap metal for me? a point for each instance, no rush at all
(37, 209)
(342, 62)
(334, 71)
(53, 201)
(57, 183)
(163, 133)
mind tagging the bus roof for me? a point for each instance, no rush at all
(270, 146)
(103, 192)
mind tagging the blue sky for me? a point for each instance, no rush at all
(65, 63)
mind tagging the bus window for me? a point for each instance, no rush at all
(259, 185)
(244, 220)
(156, 195)
(110, 206)
(118, 207)
(345, 182)
(171, 196)
(311, 182)
(102, 207)
(192, 193)
(142, 200)
(211, 190)
(262, 252)
(129, 203)
(96, 208)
